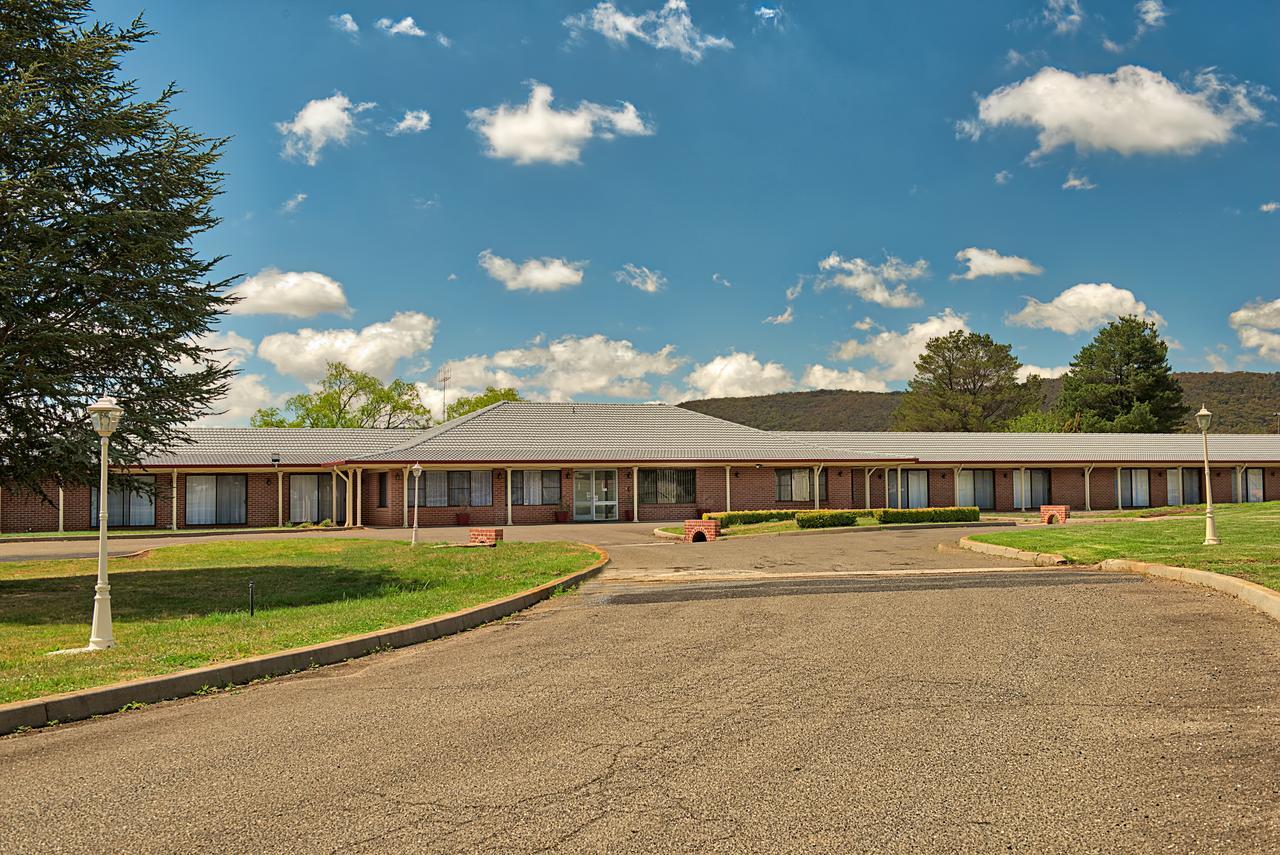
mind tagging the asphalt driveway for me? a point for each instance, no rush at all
(1025, 710)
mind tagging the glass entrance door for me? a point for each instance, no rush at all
(595, 494)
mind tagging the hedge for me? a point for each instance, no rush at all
(728, 518)
(833, 519)
(928, 515)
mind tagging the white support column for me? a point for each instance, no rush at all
(728, 488)
(1119, 494)
(955, 487)
(350, 509)
(1022, 487)
(279, 499)
(635, 494)
(1240, 497)
(509, 496)
(817, 493)
(1182, 500)
(405, 507)
(1088, 476)
(61, 512)
(866, 485)
(360, 496)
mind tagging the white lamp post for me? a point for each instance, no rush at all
(417, 476)
(105, 417)
(1203, 420)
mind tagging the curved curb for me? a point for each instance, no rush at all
(37, 712)
(1261, 598)
(667, 535)
(845, 529)
(1039, 559)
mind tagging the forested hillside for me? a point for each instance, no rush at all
(1242, 402)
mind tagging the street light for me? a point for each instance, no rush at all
(105, 415)
(417, 476)
(1204, 418)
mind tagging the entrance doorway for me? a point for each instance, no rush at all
(595, 494)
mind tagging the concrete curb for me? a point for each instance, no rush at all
(844, 529)
(1261, 598)
(1039, 559)
(100, 700)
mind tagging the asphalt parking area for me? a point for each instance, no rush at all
(1036, 710)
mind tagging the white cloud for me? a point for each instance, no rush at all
(865, 324)
(568, 366)
(1150, 16)
(770, 16)
(989, 262)
(233, 348)
(1049, 373)
(1078, 182)
(1131, 111)
(1065, 16)
(375, 349)
(669, 28)
(649, 281)
(896, 352)
(785, 318)
(245, 395)
(1269, 207)
(321, 122)
(1216, 361)
(535, 274)
(870, 281)
(293, 203)
(298, 295)
(1082, 307)
(404, 27)
(443, 40)
(721, 280)
(345, 23)
(414, 122)
(536, 132)
(822, 377)
(738, 374)
(1004, 176)
(1256, 325)
(794, 290)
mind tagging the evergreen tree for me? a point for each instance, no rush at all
(966, 382)
(101, 290)
(1121, 382)
(347, 398)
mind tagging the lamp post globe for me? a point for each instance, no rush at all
(104, 415)
(417, 477)
(1204, 419)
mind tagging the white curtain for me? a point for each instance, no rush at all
(435, 486)
(142, 503)
(202, 491)
(532, 487)
(231, 498)
(1253, 485)
(481, 487)
(304, 498)
(1173, 482)
(964, 489)
(917, 484)
(800, 485)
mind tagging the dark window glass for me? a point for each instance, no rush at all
(517, 487)
(783, 477)
(382, 489)
(550, 487)
(668, 486)
(459, 489)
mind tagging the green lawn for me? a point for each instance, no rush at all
(1250, 547)
(186, 606)
(770, 527)
(145, 532)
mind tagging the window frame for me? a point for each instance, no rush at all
(650, 486)
(789, 479)
(127, 503)
(218, 479)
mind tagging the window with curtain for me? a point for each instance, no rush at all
(1191, 479)
(795, 485)
(1037, 485)
(1135, 488)
(976, 488)
(217, 499)
(535, 487)
(1253, 485)
(668, 486)
(915, 488)
(481, 487)
(458, 488)
(131, 505)
(1173, 487)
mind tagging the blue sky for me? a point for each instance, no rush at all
(721, 197)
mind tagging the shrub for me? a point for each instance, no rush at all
(928, 515)
(728, 518)
(833, 519)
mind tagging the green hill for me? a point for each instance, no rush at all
(1242, 402)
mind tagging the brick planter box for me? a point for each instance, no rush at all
(1050, 514)
(697, 531)
(484, 536)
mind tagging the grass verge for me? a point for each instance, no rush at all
(186, 606)
(1250, 547)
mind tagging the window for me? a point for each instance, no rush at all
(1038, 481)
(216, 499)
(132, 506)
(1173, 487)
(382, 489)
(915, 483)
(481, 487)
(535, 487)
(1135, 488)
(311, 499)
(458, 488)
(668, 486)
(976, 488)
(1191, 487)
(794, 485)
(1253, 486)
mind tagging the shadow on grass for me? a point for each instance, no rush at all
(162, 594)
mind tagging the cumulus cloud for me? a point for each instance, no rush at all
(1004, 176)
(293, 203)
(1065, 16)
(534, 274)
(988, 262)
(737, 374)
(785, 318)
(770, 16)
(321, 122)
(872, 282)
(536, 132)
(1082, 307)
(247, 393)
(1075, 181)
(649, 281)
(1049, 373)
(568, 366)
(296, 294)
(1256, 325)
(413, 122)
(404, 27)
(668, 28)
(375, 349)
(721, 280)
(345, 23)
(1150, 16)
(896, 352)
(794, 290)
(1133, 110)
(822, 377)
(1269, 207)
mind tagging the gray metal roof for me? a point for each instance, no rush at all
(1026, 448)
(216, 446)
(536, 432)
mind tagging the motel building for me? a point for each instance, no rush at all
(520, 463)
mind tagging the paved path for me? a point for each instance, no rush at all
(1036, 710)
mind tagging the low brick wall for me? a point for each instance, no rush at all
(699, 530)
(1054, 513)
(484, 536)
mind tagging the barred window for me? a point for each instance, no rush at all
(668, 486)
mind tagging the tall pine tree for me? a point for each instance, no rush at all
(101, 289)
(1121, 382)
